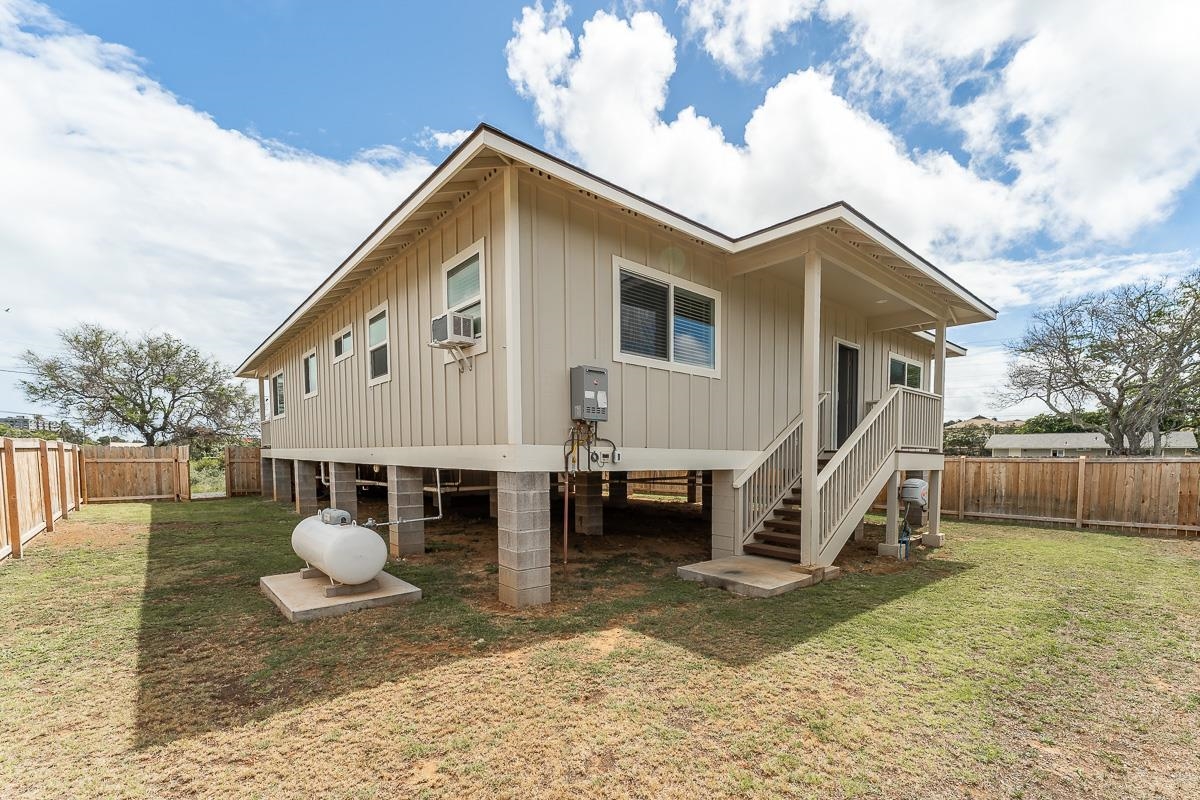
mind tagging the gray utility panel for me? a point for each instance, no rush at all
(589, 394)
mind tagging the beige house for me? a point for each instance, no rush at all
(814, 347)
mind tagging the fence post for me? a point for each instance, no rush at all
(1080, 493)
(183, 470)
(962, 484)
(44, 472)
(10, 491)
(62, 478)
(228, 472)
(84, 489)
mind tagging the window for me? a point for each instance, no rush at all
(663, 319)
(343, 344)
(309, 373)
(904, 372)
(463, 284)
(378, 368)
(277, 394)
(1058, 453)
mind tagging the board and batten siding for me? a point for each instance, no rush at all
(567, 244)
(427, 402)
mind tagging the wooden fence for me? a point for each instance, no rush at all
(669, 483)
(39, 484)
(243, 471)
(112, 474)
(1148, 495)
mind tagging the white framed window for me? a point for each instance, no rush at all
(277, 407)
(464, 291)
(264, 410)
(308, 373)
(343, 344)
(904, 371)
(663, 321)
(379, 367)
(1058, 453)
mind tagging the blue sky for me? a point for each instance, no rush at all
(1030, 158)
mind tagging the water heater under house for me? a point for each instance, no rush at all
(589, 394)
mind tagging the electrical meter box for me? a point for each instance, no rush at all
(589, 394)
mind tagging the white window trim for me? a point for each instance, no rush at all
(316, 374)
(334, 359)
(670, 280)
(887, 375)
(274, 396)
(387, 340)
(474, 249)
(264, 405)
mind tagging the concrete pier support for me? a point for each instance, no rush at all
(693, 487)
(267, 483)
(406, 500)
(891, 541)
(618, 489)
(589, 503)
(706, 494)
(493, 496)
(726, 516)
(304, 493)
(524, 537)
(343, 492)
(281, 480)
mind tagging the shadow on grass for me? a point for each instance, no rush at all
(214, 653)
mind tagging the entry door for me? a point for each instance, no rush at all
(847, 391)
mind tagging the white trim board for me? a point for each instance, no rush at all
(516, 458)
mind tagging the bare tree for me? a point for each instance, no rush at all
(155, 385)
(1132, 352)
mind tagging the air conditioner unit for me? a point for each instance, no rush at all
(452, 330)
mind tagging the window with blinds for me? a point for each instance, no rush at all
(277, 394)
(667, 322)
(310, 373)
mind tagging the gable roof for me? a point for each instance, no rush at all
(489, 148)
(1176, 440)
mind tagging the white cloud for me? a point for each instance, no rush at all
(738, 34)
(124, 206)
(1088, 111)
(442, 140)
(804, 145)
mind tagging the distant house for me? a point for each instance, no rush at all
(19, 423)
(1071, 445)
(980, 421)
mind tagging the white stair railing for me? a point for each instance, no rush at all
(772, 475)
(860, 457)
(920, 420)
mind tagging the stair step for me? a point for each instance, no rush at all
(789, 512)
(782, 525)
(773, 551)
(779, 537)
(792, 501)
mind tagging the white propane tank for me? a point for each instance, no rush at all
(915, 490)
(342, 550)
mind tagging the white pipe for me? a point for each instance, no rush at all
(370, 523)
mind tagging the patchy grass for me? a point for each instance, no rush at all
(140, 660)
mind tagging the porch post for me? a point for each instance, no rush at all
(891, 540)
(939, 355)
(810, 386)
(934, 537)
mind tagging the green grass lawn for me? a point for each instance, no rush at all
(138, 659)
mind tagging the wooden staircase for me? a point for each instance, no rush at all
(781, 535)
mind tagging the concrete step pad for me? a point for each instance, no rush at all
(750, 575)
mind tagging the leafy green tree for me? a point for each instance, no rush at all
(1057, 423)
(155, 385)
(968, 441)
